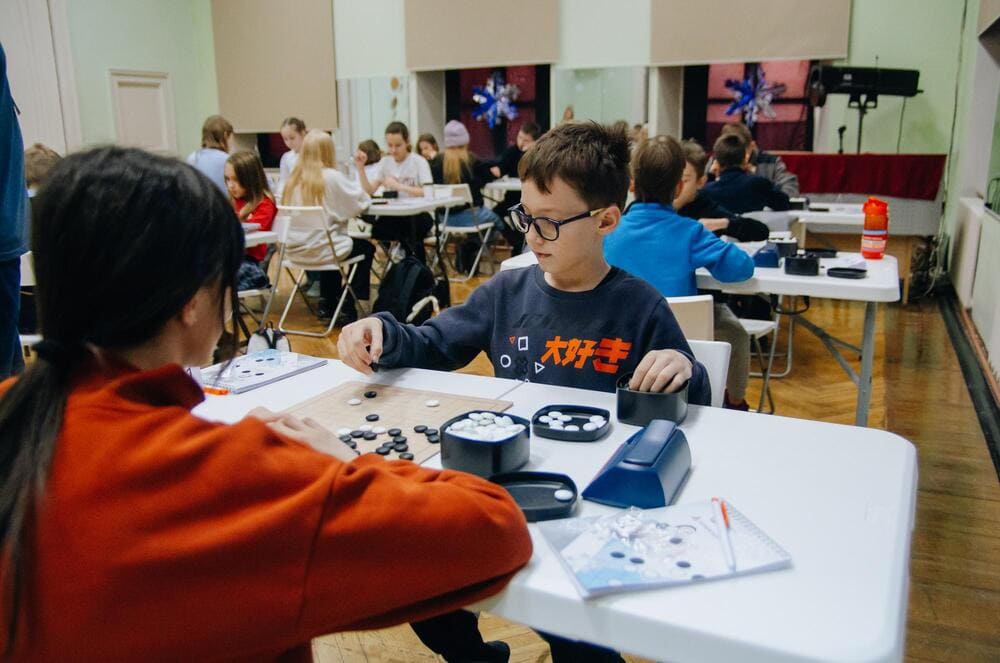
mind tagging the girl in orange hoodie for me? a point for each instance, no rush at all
(132, 529)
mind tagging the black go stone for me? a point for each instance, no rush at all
(371, 394)
(419, 428)
(393, 432)
(346, 437)
(433, 439)
(406, 456)
(372, 417)
(402, 447)
(357, 433)
(431, 431)
(382, 451)
(399, 439)
(370, 435)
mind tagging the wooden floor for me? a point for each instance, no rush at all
(919, 393)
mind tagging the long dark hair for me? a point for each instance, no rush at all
(122, 240)
(250, 174)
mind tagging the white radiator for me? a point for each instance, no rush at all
(966, 248)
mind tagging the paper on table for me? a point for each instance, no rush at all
(673, 545)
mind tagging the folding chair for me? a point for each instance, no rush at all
(310, 219)
(28, 341)
(695, 315)
(714, 356)
(484, 231)
(758, 329)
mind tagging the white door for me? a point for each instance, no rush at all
(26, 34)
(143, 105)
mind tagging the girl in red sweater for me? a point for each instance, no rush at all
(254, 203)
(131, 529)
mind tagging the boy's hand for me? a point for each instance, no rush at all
(360, 344)
(661, 370)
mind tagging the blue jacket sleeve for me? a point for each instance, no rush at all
(447, 341)
(726, 262)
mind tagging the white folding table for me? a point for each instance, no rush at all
(839, 499)
(880, 285)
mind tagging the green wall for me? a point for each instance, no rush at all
(995, 153)
(147, 35)
(604, 94)
(904, 34)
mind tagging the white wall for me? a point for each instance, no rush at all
(369, 38)
(607, 94)
(598, 33)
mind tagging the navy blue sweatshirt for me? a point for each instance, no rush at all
(532, 331)
(13, 192)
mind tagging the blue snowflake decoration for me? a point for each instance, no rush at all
(495, 100)
(753, 96)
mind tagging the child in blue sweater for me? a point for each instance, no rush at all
(657, 244)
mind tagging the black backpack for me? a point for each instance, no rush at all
(405, 284)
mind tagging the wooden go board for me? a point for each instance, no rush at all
(396, 407)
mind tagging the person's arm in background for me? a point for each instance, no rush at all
(721, 221)
(369, 186)
(726, 262)
(772, 196)
(785, 180)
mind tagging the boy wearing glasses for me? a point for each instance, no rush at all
(572, 320)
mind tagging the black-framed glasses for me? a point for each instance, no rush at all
(547, 228)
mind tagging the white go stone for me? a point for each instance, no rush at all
(354, 401)
(573, 427)
(590, 425)
(378, 430)
(544, 419)
(563, 495)
(597, 419)
(432, 403)
(474, 416)
(365, 428)
(343, 431)
(555, 414)
(489, 416)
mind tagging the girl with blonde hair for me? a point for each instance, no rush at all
(316, 181)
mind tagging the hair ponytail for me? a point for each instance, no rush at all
(108, 218)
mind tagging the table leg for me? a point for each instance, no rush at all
(867, 360)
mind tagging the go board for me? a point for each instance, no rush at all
(352, 407)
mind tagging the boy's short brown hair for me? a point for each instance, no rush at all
(739, 129)
(591, 158)
(39, 160)
(695, 155)
(657, 167)
(730, 151)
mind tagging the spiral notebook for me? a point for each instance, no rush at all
(643, 549)
(257, 370)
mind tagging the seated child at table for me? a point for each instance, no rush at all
(693, 204)
(506, 166)
(571, 320)
(690, 203)
(657, 244)
(736, 189)
(133, 528)
(216, 140)
(372, 153)
(316, 181)
(460, 166)
(769, 166)
(293, 132)
(254, 203)
(405, 173)
(39, 160)
(427, 147)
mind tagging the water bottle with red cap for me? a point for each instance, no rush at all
(876, 233)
